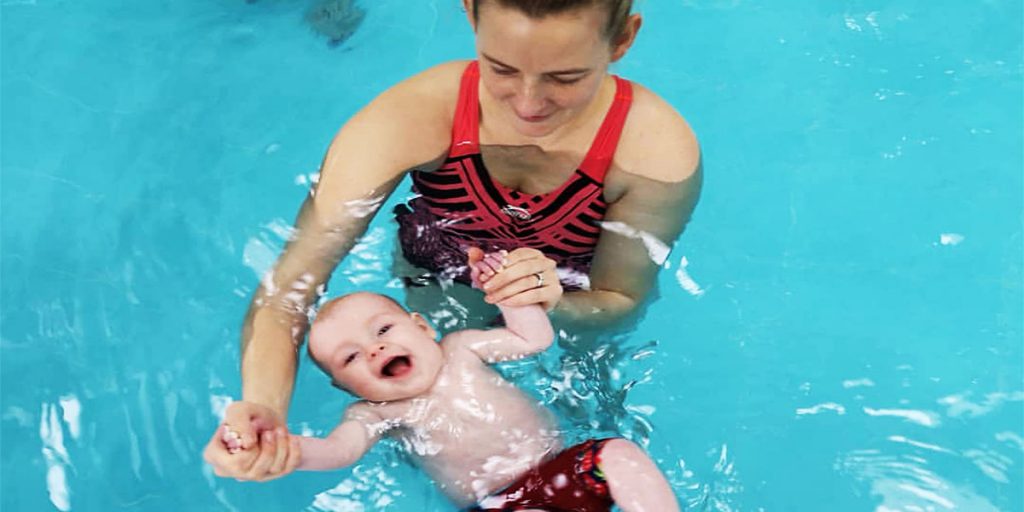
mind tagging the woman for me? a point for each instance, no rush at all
(534, 149)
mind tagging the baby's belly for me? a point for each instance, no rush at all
(471, 460)
(467, 476)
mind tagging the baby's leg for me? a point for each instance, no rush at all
(635, 482)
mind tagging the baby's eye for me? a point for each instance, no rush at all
(351, 357)
(383, 330)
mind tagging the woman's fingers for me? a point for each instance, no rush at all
(268, 453)
(547, 293)
(518, 278)
(544, 290)
(239, 420)
(490, 265)
(283, 443)
(526, 298)
(226, 463)
(528, 276)
(497, 294)
(243, 446)
(524, 275)
(294, 454)
(515, 270)
(525, 292)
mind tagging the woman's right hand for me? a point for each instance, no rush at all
(526, 277)
(252, 444)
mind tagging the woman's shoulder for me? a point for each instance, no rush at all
(656, 141)
(435, 89)
(418, 111)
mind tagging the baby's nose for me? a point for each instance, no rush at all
(376, 350)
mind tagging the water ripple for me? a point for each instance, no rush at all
(904, 482)
(52, 435)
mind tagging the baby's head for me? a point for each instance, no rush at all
(372, 347)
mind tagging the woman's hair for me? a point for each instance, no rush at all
(618, 10)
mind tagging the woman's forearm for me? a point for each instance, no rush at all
(271, 339)
(594, 307)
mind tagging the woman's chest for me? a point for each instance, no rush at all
(529, 169)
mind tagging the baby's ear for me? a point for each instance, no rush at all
(422, 323)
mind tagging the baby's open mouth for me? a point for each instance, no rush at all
(397, 366)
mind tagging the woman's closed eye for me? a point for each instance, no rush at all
(566, 79)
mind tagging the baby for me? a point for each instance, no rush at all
(486, 443)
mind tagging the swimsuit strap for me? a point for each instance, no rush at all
(466, 124)
(602, 150)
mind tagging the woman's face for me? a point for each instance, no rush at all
(542, 72)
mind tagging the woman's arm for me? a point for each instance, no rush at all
(638, 232)
(407, 127)
(652, 190)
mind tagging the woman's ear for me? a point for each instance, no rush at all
(422, 323)
(467, 5)
(626, 38)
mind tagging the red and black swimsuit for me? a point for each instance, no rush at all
(459, 205)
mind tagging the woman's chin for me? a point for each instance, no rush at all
(535, 129)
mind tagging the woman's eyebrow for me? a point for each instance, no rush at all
(575, 71)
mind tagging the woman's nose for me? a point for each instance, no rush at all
(529, 97)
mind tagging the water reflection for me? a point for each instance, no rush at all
(916, 467)
(720, 491)
(905, 482)
(52, 434)
(588, 387)
(369, 485)
(959, 404)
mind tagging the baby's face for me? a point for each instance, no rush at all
(375, 349)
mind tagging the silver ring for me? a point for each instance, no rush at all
(540, 279)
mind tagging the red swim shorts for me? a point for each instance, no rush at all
(570, 482)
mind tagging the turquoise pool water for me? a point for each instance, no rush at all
(840, 328)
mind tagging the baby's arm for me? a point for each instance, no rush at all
(345, 445)
(530, 324)
(527, 328)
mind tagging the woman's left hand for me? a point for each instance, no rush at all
(528, 277)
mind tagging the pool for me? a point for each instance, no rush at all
(840, 327)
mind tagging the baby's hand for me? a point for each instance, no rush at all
(232, 440)
(484, 264)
